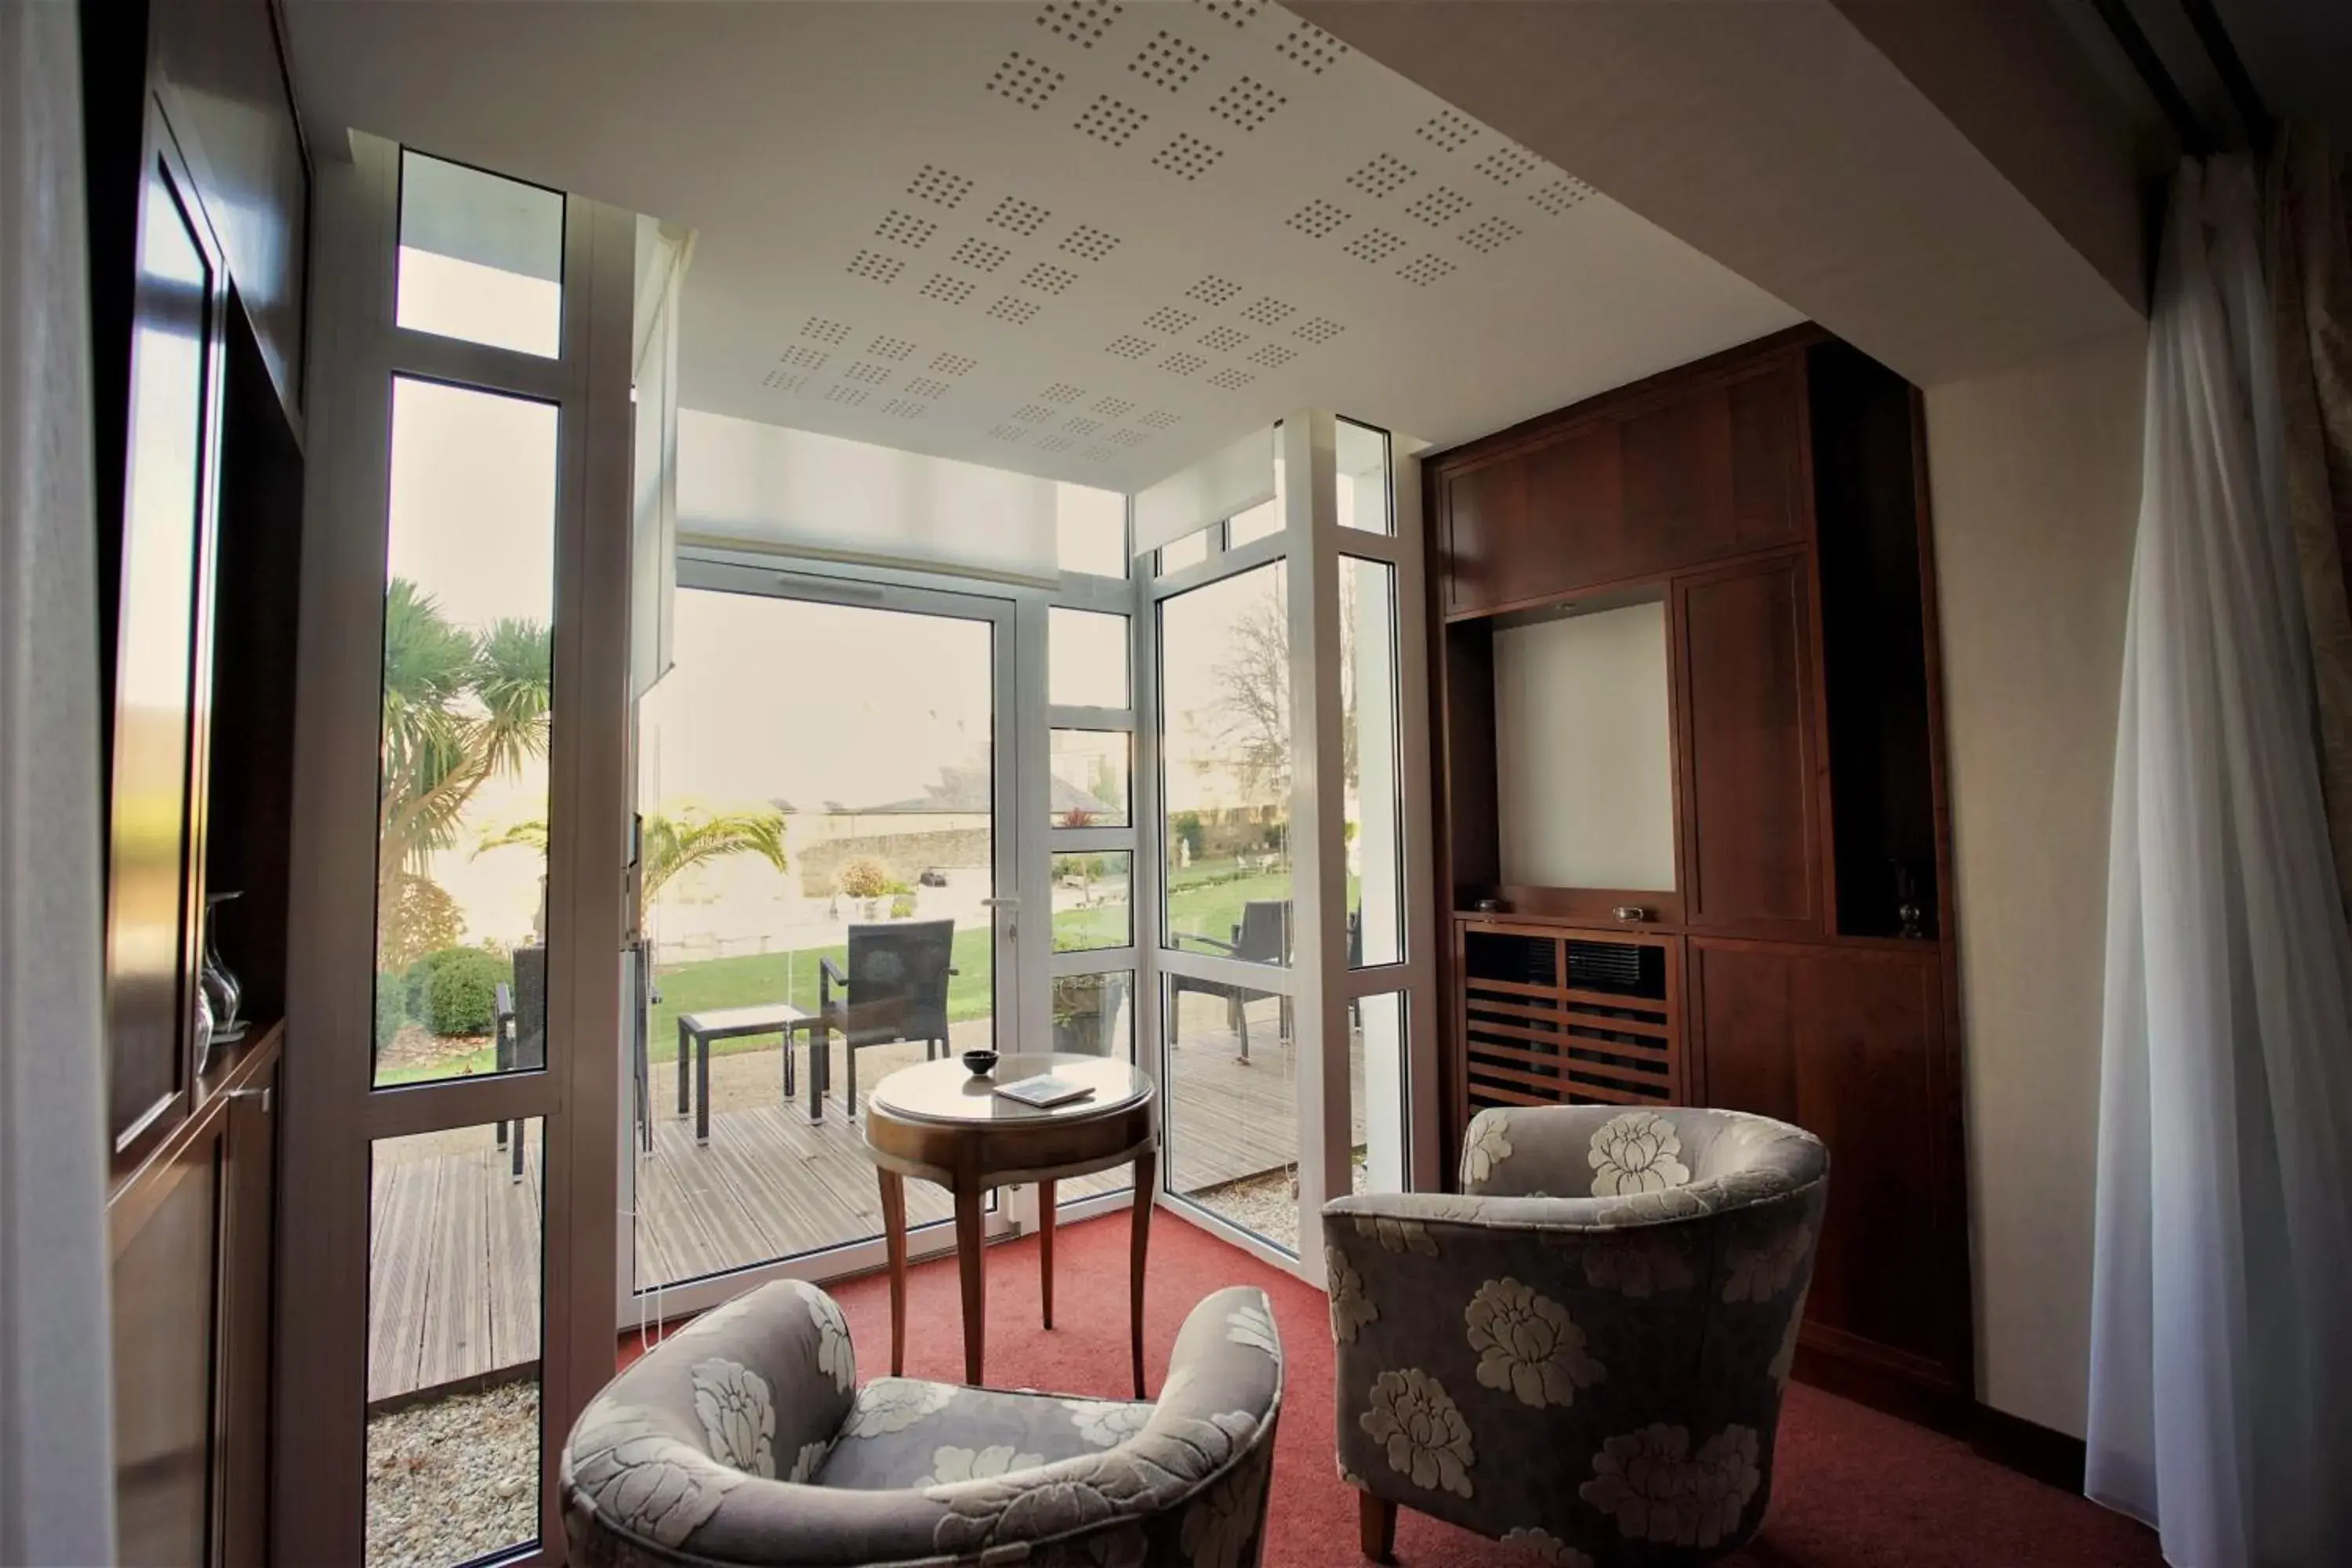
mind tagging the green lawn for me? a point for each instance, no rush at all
(1206, 899)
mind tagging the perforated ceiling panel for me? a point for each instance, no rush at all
(1093, 239)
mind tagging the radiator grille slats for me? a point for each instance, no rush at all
(1550, 1018)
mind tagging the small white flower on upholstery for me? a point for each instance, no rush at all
(1251, 1324)
(1397, 1234)
(1658, 1490)
(1351, 1307)
(1351, 1477)
(1222, 1521)
(1784, 1360)
(738, 1418)
(1528, 1345)
(895, 1404)
(833, 1353)
(1636, 1154)
(811, 1456)
(1107, 1423)
(1421, 1429)
(1635, 1265)
(1762, 1271)
(1550, 1547)
(644, 1479)
(951, 1464)
(1488, 1145)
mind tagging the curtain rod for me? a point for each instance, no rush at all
(2195, 139)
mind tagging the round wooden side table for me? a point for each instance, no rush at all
(938, 1123)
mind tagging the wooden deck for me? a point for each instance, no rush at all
(454, 1257)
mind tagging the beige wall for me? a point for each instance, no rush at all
(2035, 474)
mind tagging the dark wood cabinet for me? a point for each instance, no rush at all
(1752, 856)
(1772, 499)
(1848, 1042)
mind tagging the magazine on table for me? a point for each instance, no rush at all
(1044, 1091)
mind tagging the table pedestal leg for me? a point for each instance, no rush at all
(1146, 1176)
(970, 1222)
(894, 1242)
(1045, 1248)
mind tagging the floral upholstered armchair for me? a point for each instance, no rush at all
(744, 1440)
(1584, 1353)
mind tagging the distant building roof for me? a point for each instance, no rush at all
(971, 791)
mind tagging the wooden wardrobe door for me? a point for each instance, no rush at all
(1751, 833)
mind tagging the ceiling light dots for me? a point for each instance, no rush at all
(1032, 411)
(1222, 340)
(782, 380)
(1508, 165)
(1382, 176)
(1267, 312)
(1231, 379)
(1089, 243)
(1247, 104)
(799, 356)
(1167, 319)
(1563, 193)
(934, 183)
(1115, 407)
(1438, 207)
(1016, 310)
(1161, 419)
(875, 267)
(1183, 363)
(833, 334)
(1448, 131)
(1240, 13)
(1080, 22)
(904, 228)
(1056, 443)
(1311, 48)
(1167, 61)
(926, 387)
(1082, 425)
(1274, 356)
(904, 407)
(1130, 437)
(1008, 432)
(890, 348)
(1212, 291)
(1048, 279)
(954, 364)
(1128, 346)
(1489, 236)
(1100, 454)
(979, 256)
(1027, 82)
(1022, 218)
(1423, 270)
(1317, 219)
(1062, 392)
(850, 396)
(1109, 121)
(872, 374)
(1321, 329)
(947, 289)
(1187, 156)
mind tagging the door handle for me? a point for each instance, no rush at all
(261, 1094)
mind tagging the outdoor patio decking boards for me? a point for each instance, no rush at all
(455, 1257)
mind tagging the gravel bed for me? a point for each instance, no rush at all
(1266, 1203)
(454, 1478)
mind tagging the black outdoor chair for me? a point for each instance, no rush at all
(1261, 937)
(896, 989)
(502, 1046)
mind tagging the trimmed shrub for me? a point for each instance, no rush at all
(902, 906)
(390, 1008)
(455, 990)
(864, 878)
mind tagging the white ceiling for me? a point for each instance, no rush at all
(1091, 239)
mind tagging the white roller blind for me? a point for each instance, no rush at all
(662, 253)
(796, 492)
(1222, 485)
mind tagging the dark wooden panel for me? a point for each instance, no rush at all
(1467, 729)
(1494, 554)
(1767, 451)
(1576, 501)
(1747, 756)
(1676, 462)
(164, 1297)
(1849, 1044)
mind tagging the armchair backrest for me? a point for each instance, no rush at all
(899, 980)
(1263, 935)
(1589, 1346)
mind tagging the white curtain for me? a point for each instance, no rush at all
(2221, 1351)
(57, 1468)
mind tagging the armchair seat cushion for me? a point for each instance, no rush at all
(903, 1433)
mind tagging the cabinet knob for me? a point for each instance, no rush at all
(1630, 913)
(261, 1094)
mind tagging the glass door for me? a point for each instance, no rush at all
(824, 780)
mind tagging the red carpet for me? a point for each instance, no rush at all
(1854, 1489)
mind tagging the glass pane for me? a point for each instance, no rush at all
(846, 817)
(1373, 823)
(481, 257)
(1189, 550)
(1265, 518)
(1224, 672)
(1363, 479)
(1232, 1127)
(1090, 773)
(1090, 530)
(1376, 1093)
(454, 1431)
(461, 856)
(1094, 1015)
(1092, 907)
(1086, 659)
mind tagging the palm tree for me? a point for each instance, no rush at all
(675, 844)
(460, 708)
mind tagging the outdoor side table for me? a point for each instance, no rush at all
(697, 1030)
